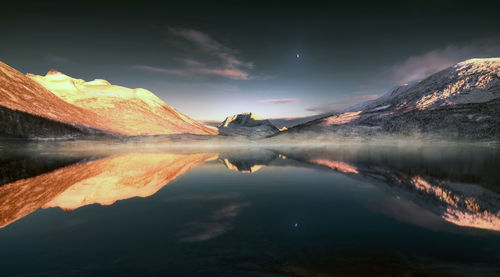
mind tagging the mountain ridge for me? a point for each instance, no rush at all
(69, 107)
(146, 114)
(460, 101)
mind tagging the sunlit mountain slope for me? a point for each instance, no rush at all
(460, 101)
(130, 111)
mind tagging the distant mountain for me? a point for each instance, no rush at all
(279, 122)
(461, 101)
(247, 124)
(56, 105)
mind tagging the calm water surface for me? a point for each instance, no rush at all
(342, 211)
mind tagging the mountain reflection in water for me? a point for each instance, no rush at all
(102, 181)
(460, 185)
(359, 210)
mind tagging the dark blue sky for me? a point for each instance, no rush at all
(211, 60)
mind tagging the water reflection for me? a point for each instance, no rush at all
(456, 184)
(248, 161)
(102, 181)
(434, 182)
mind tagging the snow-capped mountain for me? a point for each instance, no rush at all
(247, 124)
(131, 111)
(27, 109)
(471, 81)
(56, 105)
(460, 101)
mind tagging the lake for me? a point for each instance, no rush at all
(342, 210)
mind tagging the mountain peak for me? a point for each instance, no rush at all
(53, 72)
(479, 60)
(247, 124)
(459, 100)
(98, 104)
(242, 119)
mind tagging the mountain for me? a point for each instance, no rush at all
(247, 124)
(281, 123)
(130, 111)
(56, 105)
(288, 122)
(461, 101)
(29, 110)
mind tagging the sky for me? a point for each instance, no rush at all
(210, 59)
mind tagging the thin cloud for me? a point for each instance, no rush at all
(234, 74)
(177, 72)
(231, 73)
(191, 62)
(197, 37)
(279, 100)
(419, 67)
(222, 61)
(206, 43)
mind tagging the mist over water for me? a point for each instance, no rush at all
(195, 206)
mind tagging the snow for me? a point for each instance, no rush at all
(381, 108)
(73, 90)
(470, 81)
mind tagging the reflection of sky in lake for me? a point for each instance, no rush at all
(343, 210)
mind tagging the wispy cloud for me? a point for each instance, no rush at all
(177, 72)
(279, 100)
(420, 66)
(206, 43)
(221, 61)
(191, 62)
(227, 73)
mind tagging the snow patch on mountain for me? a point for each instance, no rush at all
(73, 90)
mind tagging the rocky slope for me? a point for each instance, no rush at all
(288, 122)
(247, 124)
(56, 105)
(130, 111)
(462, 101)
(29, 110)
